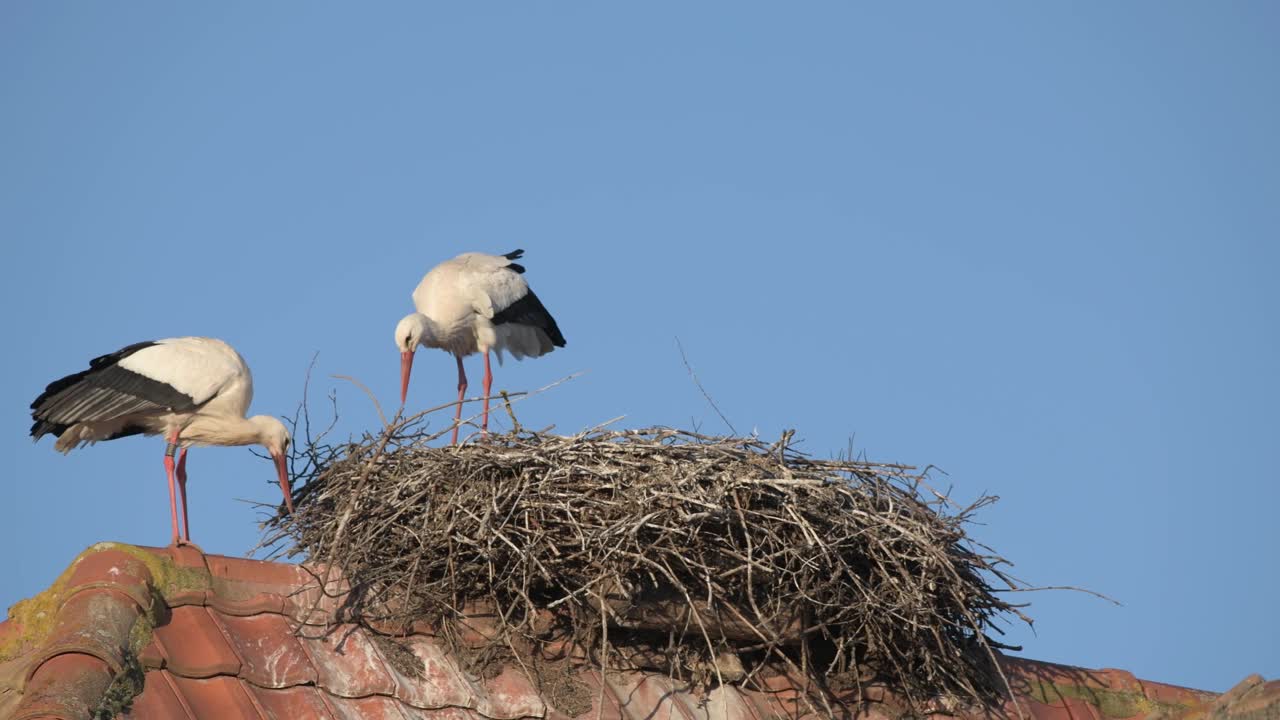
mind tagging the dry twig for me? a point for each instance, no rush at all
(662, 548)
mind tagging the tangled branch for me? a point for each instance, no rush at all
(711, 558)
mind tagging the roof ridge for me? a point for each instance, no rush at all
(161, 628)
(81, 632)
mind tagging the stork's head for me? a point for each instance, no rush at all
(274, 436)
(411, 332)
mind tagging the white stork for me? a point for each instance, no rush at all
(191, 390)
(476, 303)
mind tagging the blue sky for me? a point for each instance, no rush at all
(1032, 244)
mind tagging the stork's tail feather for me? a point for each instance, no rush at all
(71, 436)
(515, 266)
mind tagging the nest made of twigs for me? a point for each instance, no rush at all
(665, 548)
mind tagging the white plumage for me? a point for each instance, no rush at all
(205, 379)
(476, 303)
(207, 370)
(191, 390)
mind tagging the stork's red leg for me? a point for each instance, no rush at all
(462, 389)
(488, 383)
(168, 470)
(182, 490)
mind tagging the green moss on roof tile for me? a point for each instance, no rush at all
(35, 616)
(166, 577)
(1110, 703)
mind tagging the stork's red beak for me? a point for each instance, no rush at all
(283, 472)
(406, 364)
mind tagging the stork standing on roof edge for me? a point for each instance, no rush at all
(476, 303)
(191, 390)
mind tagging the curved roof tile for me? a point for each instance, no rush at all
(207, 636)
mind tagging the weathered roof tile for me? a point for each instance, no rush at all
(347, 663)
(159, 699)
(641, 695)
(295, 703)
(272, 657)
(369, 708)
(66, 687)
(117, 570)
(604, 704)
(194, 646)
(94, 621)
(427, 678)
(228, 645)
(511, 695)
(152, 656)
(221, 696)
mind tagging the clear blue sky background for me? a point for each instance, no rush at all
(1033, 244)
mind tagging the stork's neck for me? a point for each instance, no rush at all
(221, 430)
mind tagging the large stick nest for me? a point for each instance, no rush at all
(664, 548)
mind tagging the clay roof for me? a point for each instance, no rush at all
(208, 636)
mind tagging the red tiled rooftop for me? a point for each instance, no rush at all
(222, 638)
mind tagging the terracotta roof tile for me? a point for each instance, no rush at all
(301, 702)
(652, 694)
(93, 621)
(64, 687)
(151, 656)
(160, 700)
(725, 704)
(510, 695)
(187, 581)
(1051, 712)
(1251, 698)
(193, 645)
(222, 696)
(604, 705)
(272, 657)
(228, 638)
(117, 570)
(371, 708)
(347, 663)
(438, 681)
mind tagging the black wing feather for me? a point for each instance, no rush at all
(530, 311)
(105, 391)
(61, 384)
